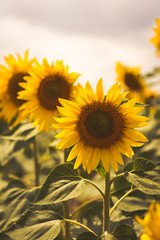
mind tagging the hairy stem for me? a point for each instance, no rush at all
(66, 209)
(83, 206)
(118, 176)
(79, 224)
(106, 204)
(121, 199)
(36, 163)
(94, 185)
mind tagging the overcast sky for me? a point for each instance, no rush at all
(90, 35)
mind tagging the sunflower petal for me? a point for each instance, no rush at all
(99, 91)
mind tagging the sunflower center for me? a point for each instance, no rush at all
(100, 124)
(132, 82)
(51, 88)
(14, 88)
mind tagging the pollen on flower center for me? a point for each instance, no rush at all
(14, 88)
(52, 88)
(100, 124)
(132, 82)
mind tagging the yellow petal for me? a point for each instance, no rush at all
(75, 150)
(87, 159)
(99, 91)
(105, 159)
(79, 159)
(69, 120)
(145, 236)
(63, 133)
(95, 158)
(116, 155)
(111, 92)
(135, 135)
(125, 148)
(136, 125)
(70, 105)
(66, 112)
(69, 141)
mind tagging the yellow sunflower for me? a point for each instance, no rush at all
(151, 222)
(132, 81)
(10, 77)
(42, 89)
(99, 128)
(156, 39)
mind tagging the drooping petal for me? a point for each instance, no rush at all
(74, 151)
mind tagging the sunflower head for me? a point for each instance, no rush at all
(10, 77)
(151, 222)
(45, 84)
(132, 81)
(99, 128)
(156, 39)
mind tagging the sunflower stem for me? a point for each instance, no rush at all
(118, 176)
(83, 206)
(94, 185)
(66, 209)
(79, 224)
(36, 163)
(121, 199)
(106, 204)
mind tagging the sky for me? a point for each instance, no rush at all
(89, 35)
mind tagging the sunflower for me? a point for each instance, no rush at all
(151, 222)
(156, 39)
(132, 81)
(99, 128)
(42, 89)
(10, 77)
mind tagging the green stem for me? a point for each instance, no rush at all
(121, 199)
(79, 224)
(106, 204)
(118, 176)
(93, 184)
(36, 163)
(67, 225)
(83, 206)
(151, 74)
(66, 209)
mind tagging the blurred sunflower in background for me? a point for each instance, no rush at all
(156, 39)
(131, 80)
(10, 77)
(99, 128)
(151, 222)
(45, 84)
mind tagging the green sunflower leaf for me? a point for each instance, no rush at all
(37, 225)
(144, 183)
(87, 236)
(15, 199)
(107, 236)
(4, 236)
(136, 201)
(100, 170)
(62, 183)
(21, 132)
(124, 232)
(140, 164)
(120, 184)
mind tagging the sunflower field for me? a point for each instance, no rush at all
(79, 164)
